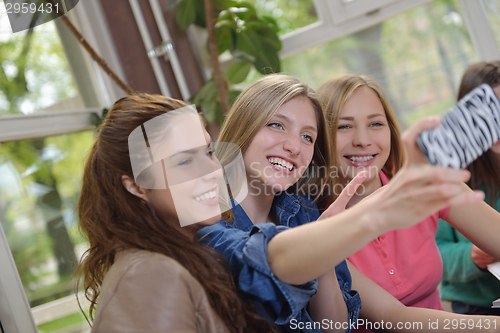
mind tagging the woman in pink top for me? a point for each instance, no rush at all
(406, 262)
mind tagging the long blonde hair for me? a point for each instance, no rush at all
(334, 94)
(255, 107)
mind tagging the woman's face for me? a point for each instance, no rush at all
(281, 151)
(193, 176)
(363, 135)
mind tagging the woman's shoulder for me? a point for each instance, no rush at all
(142, 262)
(151, 292)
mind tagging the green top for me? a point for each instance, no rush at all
(462, 280)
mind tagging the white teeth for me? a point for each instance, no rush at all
(280, 163)
(206, 196)
(360, 159)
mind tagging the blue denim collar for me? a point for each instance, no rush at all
(285, 207)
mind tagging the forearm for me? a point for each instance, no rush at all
(329, 303)
(480, 224)
(304, 253)
(385, 312)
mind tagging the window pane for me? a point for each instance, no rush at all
(290, 14)
(34, 71)
(40, 182)
(493, 10)
(418, 57)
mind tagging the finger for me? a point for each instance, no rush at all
(411, 134)
(351, 188)
(428, 174)
(413, 153)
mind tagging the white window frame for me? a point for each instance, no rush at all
(89, 18)
(361, 14)
(16, 316)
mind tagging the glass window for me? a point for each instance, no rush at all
(418, 57)
(40, 182)
(493, 10)
(290, 14)
(34, 72)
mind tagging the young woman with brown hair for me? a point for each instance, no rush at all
(142, 271)
(466, 282)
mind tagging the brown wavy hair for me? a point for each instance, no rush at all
(485, 171)
(114, 219)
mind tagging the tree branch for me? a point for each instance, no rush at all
(214, 57)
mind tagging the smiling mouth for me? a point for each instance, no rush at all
(281, 163)
(206, 196)
(360, 158)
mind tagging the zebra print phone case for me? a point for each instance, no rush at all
(467, 130)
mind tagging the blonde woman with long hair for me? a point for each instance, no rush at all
(293, 268)
(405, 262)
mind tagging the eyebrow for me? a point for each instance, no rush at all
(369, 117)
(189, 151)
(309, 127)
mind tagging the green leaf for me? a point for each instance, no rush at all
(233, 95)
(271, 23)
(186, 13)
(200, 14)
(223, 36)
(238, 71)
(268, 62)
(224, 4)
(256, 25)
(269, 38)
(95, 119)
(252, 13)
(171, 5)
(210, 110)
(242, 13)
(206, 93)
(242, 56)
(248, 41)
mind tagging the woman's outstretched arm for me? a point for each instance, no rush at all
(417, 191)
(381, 310)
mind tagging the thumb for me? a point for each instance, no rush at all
(348, 192)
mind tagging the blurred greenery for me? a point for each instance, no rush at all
(249, 37)
(40, 182)
(290, 14)
(71, 321)
(493, 9)
(417, 56)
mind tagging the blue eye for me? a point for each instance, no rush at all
(275, 125)
(308, 138)
(377, 124)
(185, 161)
(341, 127)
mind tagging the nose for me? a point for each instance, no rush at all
(361, 138)
(211, 169)
(292, 144)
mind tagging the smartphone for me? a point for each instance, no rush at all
(467, 130)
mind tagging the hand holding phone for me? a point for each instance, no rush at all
(467, 130)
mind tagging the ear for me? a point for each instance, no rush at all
(131, 186)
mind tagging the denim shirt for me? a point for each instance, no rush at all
(244, 246)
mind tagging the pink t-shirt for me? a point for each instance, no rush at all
(406, 262)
